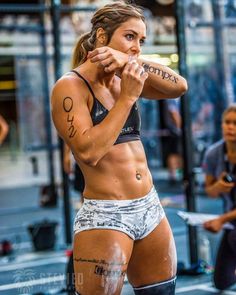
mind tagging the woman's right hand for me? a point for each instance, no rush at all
(223, 186)
(214, 225)
(132, 81)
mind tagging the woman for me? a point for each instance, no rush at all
(220, 168)
(121, 227)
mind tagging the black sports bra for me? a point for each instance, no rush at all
(131, 129)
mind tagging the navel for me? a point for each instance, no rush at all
(138, 175)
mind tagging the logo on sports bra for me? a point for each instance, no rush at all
(99, 112)
(127, 129)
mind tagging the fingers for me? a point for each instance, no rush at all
(113, 60)
(98, 56)
(103, 57)
(92, 54)
(135, 69)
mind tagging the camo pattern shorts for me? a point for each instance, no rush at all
(136, 218)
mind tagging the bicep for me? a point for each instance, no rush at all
(71, 116)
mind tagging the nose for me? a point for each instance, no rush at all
(231, 125)
(136, 48)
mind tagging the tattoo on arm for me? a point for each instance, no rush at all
(68, 106)
(165, 75)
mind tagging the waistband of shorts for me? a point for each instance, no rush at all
(151, 194)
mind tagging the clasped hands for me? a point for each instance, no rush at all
(110, 59)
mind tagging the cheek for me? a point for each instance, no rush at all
(118, 45)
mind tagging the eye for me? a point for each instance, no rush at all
(129, 37)
(142, 42)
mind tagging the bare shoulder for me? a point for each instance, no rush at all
(68, 85)
(69, 106)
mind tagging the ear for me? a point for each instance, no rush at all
(101, 37)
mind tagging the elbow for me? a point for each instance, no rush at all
(179, 89)
(183, 87)
(88, 159)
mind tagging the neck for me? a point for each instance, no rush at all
(231, 146)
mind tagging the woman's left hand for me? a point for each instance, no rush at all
(108, 58)
(214, 225)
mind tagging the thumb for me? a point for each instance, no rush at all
(144, 76)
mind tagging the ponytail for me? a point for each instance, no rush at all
(109, 18)
(84, 44)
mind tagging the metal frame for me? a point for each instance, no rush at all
(188, 176)
(55, 9)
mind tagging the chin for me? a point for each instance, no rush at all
(230, 139)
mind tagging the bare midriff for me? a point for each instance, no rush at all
(121, 174)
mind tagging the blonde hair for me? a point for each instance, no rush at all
(230, 108)
(109, 18)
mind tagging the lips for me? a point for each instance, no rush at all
(230, 134)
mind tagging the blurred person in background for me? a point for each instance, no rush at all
(220, 181)
(4, 128)
(170, 120)
(121, 227)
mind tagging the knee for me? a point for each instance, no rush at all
(160, 288)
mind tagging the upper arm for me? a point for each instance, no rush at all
(70, 112)
(209, 167)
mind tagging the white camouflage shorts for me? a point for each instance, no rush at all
(136, 218)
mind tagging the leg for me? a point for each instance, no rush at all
(153, 259)
(225, 268)
(100, 261)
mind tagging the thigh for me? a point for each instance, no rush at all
(100, 261)
(153, 258)
(225, 267)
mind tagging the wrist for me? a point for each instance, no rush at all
(126, 101)
(223, 219)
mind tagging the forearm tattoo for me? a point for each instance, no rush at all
(68, 106)
(105, 268)
(165, 75)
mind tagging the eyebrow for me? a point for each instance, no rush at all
(135, 33)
